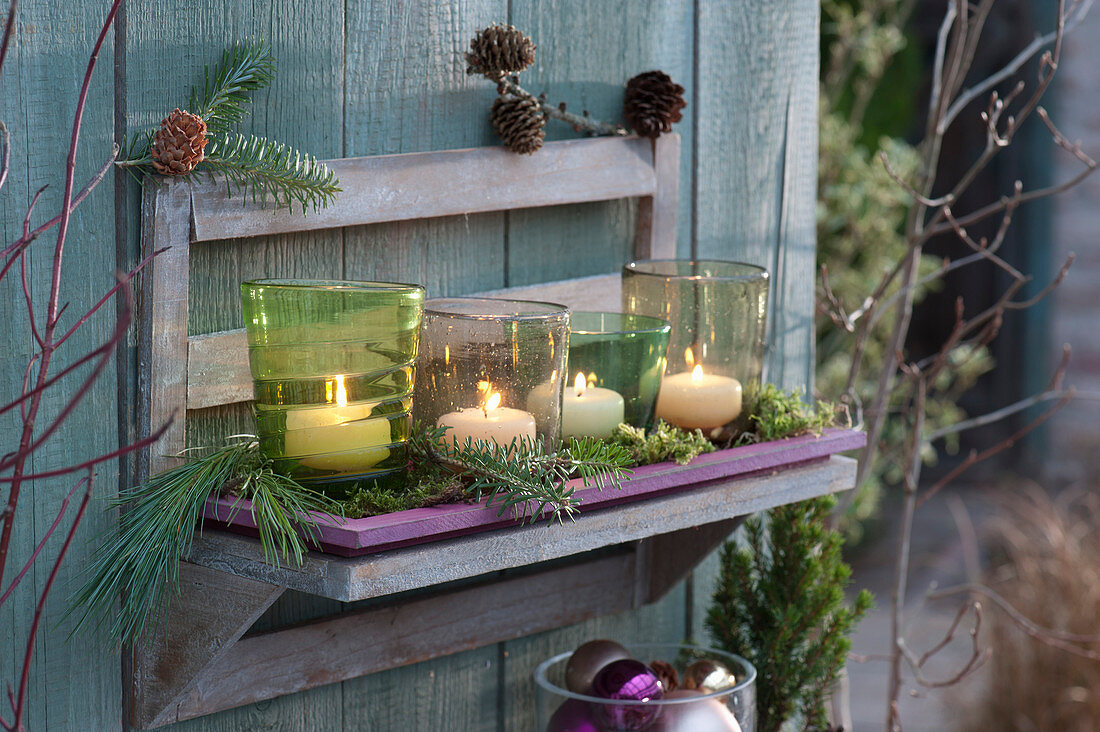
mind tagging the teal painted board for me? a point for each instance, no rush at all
(307, 42)
(756, 137)
(408, 91)
(41, 79)
(586, 53)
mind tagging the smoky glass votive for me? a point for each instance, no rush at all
(718, 311)
(621, 352)
(332, 373)
(492, 369)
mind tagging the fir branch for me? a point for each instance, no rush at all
(225, 92)
(523, 476)
(268, 168)
(140, 560)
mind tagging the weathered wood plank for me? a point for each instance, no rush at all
(656, 235)
(424, 565)
(756, 168)
(388, 188)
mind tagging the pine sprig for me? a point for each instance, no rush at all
(523, 476)
(140, 561)
(267, 168)
(780, 604)
(225, 92)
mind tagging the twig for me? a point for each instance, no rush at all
(977, 658)
(578, 122)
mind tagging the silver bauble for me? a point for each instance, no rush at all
(587, 660)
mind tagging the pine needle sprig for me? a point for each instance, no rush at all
(523, 476)
(140, 560)
(225, 93)
(267, 168)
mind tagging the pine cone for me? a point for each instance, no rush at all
(666, 672)
(519, 121)
(178, 144)
(500, 50)
(652, 103)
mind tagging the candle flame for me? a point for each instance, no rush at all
(697, 373)
(492, 402)
(689, 357)
(592, 380)
(578, 384)
(341, 393)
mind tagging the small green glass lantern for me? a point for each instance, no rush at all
(718, 311)
(332, 370)
(621, 352)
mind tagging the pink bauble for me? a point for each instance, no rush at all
(705, 715)
(573, 715)
(587, 661)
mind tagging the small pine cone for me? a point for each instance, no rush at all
(179, 143)
(500, 50)
(519, 121)
(652, 103)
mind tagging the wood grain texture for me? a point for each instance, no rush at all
(756, 166)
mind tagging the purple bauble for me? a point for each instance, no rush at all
(628, 680)
(573, 715)
(587, 661)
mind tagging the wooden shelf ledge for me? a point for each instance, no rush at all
(515, 582)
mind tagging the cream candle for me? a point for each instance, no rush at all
(590, 411)
(697, 400)
(488, 423)
(341, 437)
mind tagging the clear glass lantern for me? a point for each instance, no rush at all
(620, 352)
(729, 708)
(492, 369)
(332, 373)
(718, 311)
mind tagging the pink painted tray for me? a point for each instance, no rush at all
(353, 537)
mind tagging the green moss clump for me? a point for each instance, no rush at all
(663, 443)
(424, 485)
(777, 414)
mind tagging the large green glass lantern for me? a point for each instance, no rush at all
(332, 373)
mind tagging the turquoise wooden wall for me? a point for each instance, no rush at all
(365, 78)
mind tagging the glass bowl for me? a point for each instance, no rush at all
(559, 710)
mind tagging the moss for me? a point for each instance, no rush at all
(424, 485)
(777, 414)
(662, 444)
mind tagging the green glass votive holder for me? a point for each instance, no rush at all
(718, 311)
(621, 352)
(492, 370)
(332, 374)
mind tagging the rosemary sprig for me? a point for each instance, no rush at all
(140, 561)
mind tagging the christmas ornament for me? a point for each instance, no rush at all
(705, 715)
(500, 50)
(627, 680)
(573, 715)
(652, 103)
(666, 672)
(587, 661)
(519, 121)
(178, 143)
(707, 675)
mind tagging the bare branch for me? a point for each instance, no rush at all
(5, 153)
(977, 658)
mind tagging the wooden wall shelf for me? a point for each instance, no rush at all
(437, 598)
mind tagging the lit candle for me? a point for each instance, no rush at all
(488, 423)
(696, 400)
(341, 437)
(590, 411)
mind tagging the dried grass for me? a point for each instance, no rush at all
(1047, 565)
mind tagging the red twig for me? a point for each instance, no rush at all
(42, 543)
(22, 695)
(9, 31)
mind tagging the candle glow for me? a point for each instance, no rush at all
(590, 411)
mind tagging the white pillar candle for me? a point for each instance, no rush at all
(491, 423)
(341, 437)
(697, 400)
(590, 411)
